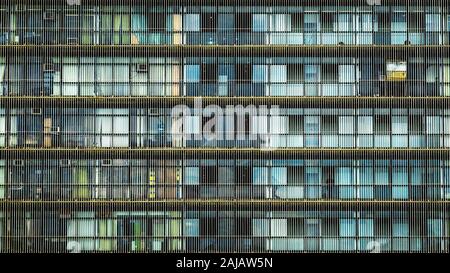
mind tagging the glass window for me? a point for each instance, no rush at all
(432, 22)
(278, 227)
(156, 73)
(433, 125)
(365, 125)
(279, 176)
(346, 73)
(365, 227)
(398, 21)
(260, 227)
(399, 124)
(191, 227)
(121, 128)
(259, 73)
(435, 227)
(191, 176)
(70, 79)
(366, 22)
(192, 125)
(312, 124)
(346, 125)
(278, 73)
(381, 176)
(347, 227)
(260, 175)
(311, 73)
(280, 22)
(400, 228)
(192, 73)
(345, 22)
(259, 22)
(191, 22)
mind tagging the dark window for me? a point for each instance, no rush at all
(243, 226)
(209, 22)
(209, 72)
(208, 226)
(243, 22)
(209, 174)
(244, 72)
(243, 175)
(156, 22)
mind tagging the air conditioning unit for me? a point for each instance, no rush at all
(106, 162)
(48, 15)
(72, 41)
(18, 162)
(142, 68)
(64, 162)
(36, 111)
(49, 67)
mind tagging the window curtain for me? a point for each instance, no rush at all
(2, 184)
(104, 79)
(121, 79)
(365, 124)
(368, 22)
(70, 79)
(433, 125)
(191, 22)
(138, 28)
(103, 127)
(81, 183)
(280, 22)
(278, 73)
(432, 22)
(87, 79)
(346, 73)
(192, 176)
(120, 127)
(345, 22)
(260, 22)
(312, 27)
(445, 80)
(90, 29)
(278, 229)
(3, 79)
(346, 131)
(2, 128)
(105, 27)
(121, 27)
(346, 125)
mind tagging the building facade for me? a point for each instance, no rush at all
(331, 126)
